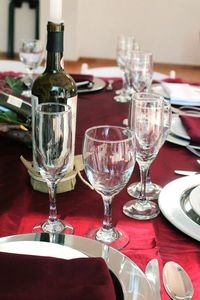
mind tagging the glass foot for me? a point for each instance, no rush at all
(152, 190)
(115, 237)
(140, 210)
(55, 227)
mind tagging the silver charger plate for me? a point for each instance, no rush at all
(175, 205)
(98, 84)
(133, 284)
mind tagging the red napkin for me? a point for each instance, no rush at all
(192, 126)
(82, 77)
(46, 278)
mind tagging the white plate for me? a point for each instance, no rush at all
(195, 200)
(132, 280)
(41, 249)
(178, 129)
(170, 205)
(15, 66)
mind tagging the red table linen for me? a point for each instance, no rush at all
(35, 277)
(21, 207)
(192, 126)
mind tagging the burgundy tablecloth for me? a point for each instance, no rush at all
(21, 207)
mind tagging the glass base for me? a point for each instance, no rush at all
(152, 190)
(141, 210)
(122, 98)
(55, 227)
(115, 237)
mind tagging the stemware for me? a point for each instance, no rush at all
(53, 145)
(152, 189)
(125, 45)
(31, 54)
(109, 159)
(146, 120)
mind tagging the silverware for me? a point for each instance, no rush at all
(110, 85)
(153, 276)
(194, 150)
(186, 173)
(177, 282)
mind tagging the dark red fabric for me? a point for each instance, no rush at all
(192, 126)
(21, 207)
(36, 277)
(82, 77)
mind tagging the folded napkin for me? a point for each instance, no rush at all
(181, 93)
(192, 126)
(46, 278)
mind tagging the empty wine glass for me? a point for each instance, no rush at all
(152, 189)
(146, 120)
(53, 145)
(109, 159)
(125, 45)
(31, 54)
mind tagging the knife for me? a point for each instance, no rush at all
(186, 173)
(153, 276)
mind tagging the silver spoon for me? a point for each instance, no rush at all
(177, 282)
(198, 161)
(153, 276)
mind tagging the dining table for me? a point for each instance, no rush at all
(21, 207)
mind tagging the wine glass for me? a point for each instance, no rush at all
(109, 159)
(125, 45)
(31, 54)
(146, 120)
(152, 189)
(53, 145)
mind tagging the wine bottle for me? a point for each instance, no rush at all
(54, 85)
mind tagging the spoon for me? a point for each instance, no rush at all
(153, 276)
(198, 161)
(177, 282)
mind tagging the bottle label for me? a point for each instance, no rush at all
(72, 102)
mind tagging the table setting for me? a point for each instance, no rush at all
(125, 225)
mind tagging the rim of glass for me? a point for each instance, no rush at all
(67, 108)
(147, 96)
(110, 141)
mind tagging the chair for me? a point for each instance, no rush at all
(33, 4)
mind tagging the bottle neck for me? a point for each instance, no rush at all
(54, 61)
(54, 46)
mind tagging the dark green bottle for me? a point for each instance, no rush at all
(54, 85)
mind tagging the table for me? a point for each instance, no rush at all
(21, 207)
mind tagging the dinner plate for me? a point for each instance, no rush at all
(133, 284)
(195, 200)
(175, 205)
(178, 129)
(98, 84)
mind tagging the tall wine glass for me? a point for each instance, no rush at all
(31, 54)
(125, 45)
(53, 138)
(152, 189)
(146, 120)
(109, 159)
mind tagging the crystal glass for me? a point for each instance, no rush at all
(125, 45)
(53, 138)
(146, 120)
(152, 189)
(140, 71)
(109, 159)
(31, 54)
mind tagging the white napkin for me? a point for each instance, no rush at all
(182, 94)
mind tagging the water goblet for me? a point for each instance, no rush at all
(109, 159)
(53, 144)
(152, 189)
(146, 120)
(31, 55)
(125, 45)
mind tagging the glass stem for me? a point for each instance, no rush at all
(144, 171)
(52, 201)
(107, 221)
